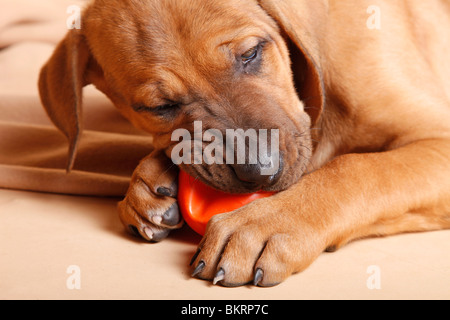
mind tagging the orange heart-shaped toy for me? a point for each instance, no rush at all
(199, 203)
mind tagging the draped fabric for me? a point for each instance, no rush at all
(33, 153)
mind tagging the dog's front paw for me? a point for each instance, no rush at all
(150, 208)
(262, 243)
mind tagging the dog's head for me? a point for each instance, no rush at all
(218, 72)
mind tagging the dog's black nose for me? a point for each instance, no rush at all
(260, 174)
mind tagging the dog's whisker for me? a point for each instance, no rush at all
(305, 147)
(308, 108)
(164, 172)
(305, 167)
(305, 136)
(308, 160)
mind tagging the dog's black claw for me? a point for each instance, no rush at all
(172, 217)
(259, 274)
(134, 231)
(195, 257)
(199, 269)
(220, 275)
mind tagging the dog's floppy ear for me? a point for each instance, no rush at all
(60, 85)
(301, 22)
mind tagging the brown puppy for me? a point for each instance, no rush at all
(363, 116)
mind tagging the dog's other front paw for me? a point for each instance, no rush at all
(150, 208)
(262, 243)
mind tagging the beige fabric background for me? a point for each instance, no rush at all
(43, 234)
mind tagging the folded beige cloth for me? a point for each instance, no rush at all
(33, 153)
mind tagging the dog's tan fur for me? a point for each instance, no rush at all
(364, 117)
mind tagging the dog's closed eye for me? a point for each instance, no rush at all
(250, 55)
(250, 61)
(161, 110)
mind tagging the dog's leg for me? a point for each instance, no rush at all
(150, 207)
(353, 196)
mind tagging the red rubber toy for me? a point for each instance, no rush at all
(199, 203)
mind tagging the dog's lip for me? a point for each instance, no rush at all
(242, 188)
(238, 186)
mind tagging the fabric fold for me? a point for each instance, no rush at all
(33, 153)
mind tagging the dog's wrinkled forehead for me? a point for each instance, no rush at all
(184, 43)
(139, 30)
